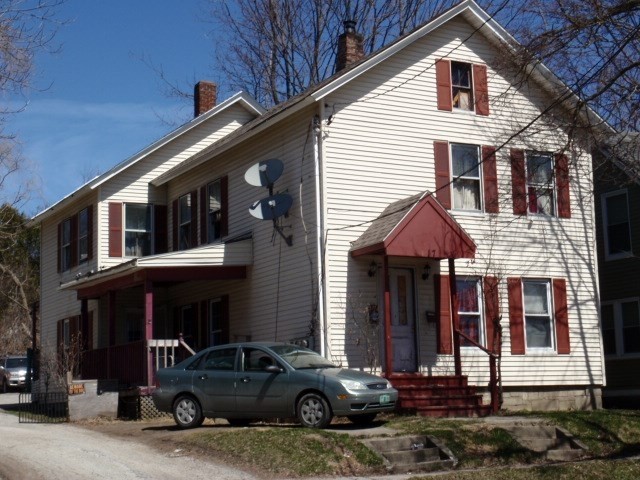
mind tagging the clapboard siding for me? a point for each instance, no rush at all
(379, 149)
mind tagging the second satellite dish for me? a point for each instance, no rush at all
(264, 173)
(272, 207)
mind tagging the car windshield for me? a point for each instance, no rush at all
(17, 362)
(300, 358)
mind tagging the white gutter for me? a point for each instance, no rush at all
(317, 161)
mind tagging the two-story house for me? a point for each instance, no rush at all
(437, 228)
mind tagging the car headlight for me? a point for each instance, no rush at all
(353, 385)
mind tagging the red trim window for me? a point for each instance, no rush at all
(470, 310)
(462, 86)
(466, 174)
(540, 183)
(138, 231)
(83, 235)
(214, 211)
(187, 220)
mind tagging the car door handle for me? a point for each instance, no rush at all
(203, 377)
(245, 379)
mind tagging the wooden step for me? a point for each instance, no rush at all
(444, 411)
(404, 379)
(414, 391)
(453, 400)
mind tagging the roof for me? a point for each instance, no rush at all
(417, 226)
(241, 98)
(468, 9)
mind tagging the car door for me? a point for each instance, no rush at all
(261, 393)
(214, 381)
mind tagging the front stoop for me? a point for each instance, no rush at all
(418, 453)
(438, 396)
(556, 443)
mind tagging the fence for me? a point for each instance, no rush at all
(49, 407)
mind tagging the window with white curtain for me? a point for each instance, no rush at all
(537, 314)
(465, 171)
(470, 310)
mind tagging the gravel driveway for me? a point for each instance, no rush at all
(64, 451)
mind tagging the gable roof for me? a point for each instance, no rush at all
(468, 9)
(240, 98)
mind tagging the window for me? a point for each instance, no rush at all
(83, 235)
(137, 230)
(470, 311)
(214, 211)
(220, 359)
(617, 229)
(621, 327)
(65, 245)
(184, 215)
(540, 187)
(465, 170)
(537, 314)
(461, 86)
(215, 322)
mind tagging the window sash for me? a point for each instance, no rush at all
(465, 172)
(470, 313)
(621, 327)
(184, 222)
(539, 329)
(65, 245)
(83, 235)
(138, 230)
(617, 227)
(540, 183)
(462, 86)
(214, 211)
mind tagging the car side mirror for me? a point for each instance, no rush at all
(273, 369)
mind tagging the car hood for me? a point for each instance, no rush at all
(347, 374)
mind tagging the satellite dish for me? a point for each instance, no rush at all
(271, 207)
(264, 173)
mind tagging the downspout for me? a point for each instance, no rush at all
(317, 162)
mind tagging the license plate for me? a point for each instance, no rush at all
(385, 398)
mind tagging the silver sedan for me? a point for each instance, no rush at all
(249, 381)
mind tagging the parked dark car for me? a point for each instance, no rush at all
(13, 372)
(249, 381)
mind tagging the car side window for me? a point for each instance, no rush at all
(255, 360)
(220, 359)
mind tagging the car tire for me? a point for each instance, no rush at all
(5, 387)
(364, 419)
(313, 411)
(187, 412)
(239, 422)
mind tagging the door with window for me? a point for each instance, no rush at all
(403, 319)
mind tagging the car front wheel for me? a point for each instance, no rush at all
(187, 412)
(313, 411)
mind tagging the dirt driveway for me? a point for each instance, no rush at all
(100, 450)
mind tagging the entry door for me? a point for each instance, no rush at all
(403, 320)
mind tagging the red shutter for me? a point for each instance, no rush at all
(160, 234)
(562, 184)
(443, 312)
(443, 178)
(490, 178)
(89, 232)
(443, 84)
(224, 206)
(562, 315)
(225, 323)
(115, 229)
(481, 89)
(194, 219)
(492, 313)
(516, 319)
(74, 240)
(174, 216)
(204, 206)
(519, 182)
(60, 247)
(204, 336)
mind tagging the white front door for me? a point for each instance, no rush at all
(403, 320)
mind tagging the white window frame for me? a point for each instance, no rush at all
(210, 231)
(83, 236)
(480, 313)
(65, 246)
(217, 331)
(618, 323)
(138, 230)
(470, 88)
(184, 224)
(539, 186)
(550, 316)
(463, 178)
(605, 225)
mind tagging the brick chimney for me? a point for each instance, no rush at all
(204, 97)
(350, 46)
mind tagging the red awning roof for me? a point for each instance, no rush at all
(418, 226)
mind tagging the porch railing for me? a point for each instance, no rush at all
(125, 363)
(493, 371)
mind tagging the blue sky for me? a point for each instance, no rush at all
(95, 102)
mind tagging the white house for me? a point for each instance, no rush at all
(431, 193)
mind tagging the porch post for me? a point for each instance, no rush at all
(455, 318)
(112, 328)
(84, 323)
(388, 348)
(148, 328)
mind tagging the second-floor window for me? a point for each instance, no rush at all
(465, 171)
(617, 228)
(137, 230)
(461, 85)
(83, 235)
(540, 186)
(214, 211)
(184, 222)
(65, 245)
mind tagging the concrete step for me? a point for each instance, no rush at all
(556, 443)
(416, 453)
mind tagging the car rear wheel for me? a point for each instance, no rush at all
(187, 412)
(364, 419)
(313, 411)
(5, 387)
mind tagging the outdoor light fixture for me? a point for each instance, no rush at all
(373, 268)
(426, 271)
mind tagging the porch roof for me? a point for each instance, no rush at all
(219, 261)
(417, 226)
